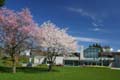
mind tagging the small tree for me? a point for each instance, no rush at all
(15, 30)
(2, 2)
(55, 41)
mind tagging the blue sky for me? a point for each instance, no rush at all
(90, 21)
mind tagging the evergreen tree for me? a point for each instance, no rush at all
(96, 45)
(2, 2)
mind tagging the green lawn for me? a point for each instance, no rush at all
(60, 73)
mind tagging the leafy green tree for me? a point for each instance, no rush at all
(2, 2)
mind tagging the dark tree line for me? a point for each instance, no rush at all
(97, 46)
(2, 3)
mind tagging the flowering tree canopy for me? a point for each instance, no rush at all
(55, 40)
(15, 28)
(51, 36)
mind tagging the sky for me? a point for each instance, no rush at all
(89, 21)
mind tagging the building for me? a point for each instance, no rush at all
(111, 59)
(91, 52)
(88, 56)
(106, 58)
(71, 61)
(116, 60)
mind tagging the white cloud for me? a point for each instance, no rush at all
(83, 12)
(111, 49)
(86, 39)
(95, 25)
(96, 21)
(96, 29)
(118, 50)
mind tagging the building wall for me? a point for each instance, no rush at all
(81, 52)
(39, 59)
(117, 61)
(59, 61)
(71, 62)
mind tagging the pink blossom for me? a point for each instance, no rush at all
(15, 26)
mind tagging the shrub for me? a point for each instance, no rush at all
(7, 61)
(24, 59)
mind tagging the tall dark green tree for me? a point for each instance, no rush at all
(97, 46)
(2, 3)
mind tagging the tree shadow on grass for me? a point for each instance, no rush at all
(27, 70)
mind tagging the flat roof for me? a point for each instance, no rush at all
(109, 54)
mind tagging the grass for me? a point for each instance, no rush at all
(60, 73)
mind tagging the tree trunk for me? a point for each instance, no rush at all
(14, 64)
(14, 67)
(50, 67)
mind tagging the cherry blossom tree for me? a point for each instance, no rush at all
(55, 41)
(15, 30)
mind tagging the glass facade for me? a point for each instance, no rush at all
(91, 52)
(71, 62)
(117, 61)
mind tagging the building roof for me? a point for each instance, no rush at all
(38, 52)
(108, 54)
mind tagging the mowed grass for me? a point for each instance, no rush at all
(60, 73)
